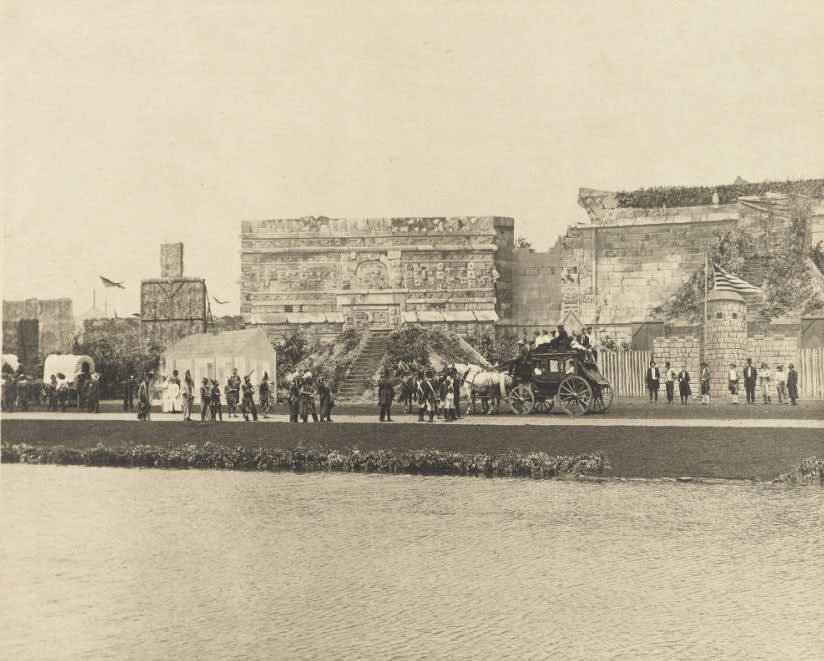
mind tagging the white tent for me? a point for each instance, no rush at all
(11, 360)
(215, 356)
(66, 363)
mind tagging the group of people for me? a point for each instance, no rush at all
(670, 376)
(301, 399)
(178, 395)
(17, 390)
(436, 394)
(238, 392)
(784, 384)
(560, 340)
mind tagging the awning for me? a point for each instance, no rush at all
(410, 317)
(459, 315)
(305, 317)
(430, 316)
(486, 315)
(334, 317)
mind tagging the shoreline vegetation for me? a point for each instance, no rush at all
(314, 458)
(809, 471)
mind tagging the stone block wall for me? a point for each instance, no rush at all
(773, 350)
(536, 287)
(637, 268)
(680, 351)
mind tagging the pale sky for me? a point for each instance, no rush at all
(127, 124)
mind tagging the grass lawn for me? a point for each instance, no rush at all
(631, 451)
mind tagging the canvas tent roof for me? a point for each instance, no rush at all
(11, 360)
(68, 364)
(250, 340)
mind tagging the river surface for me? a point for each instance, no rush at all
(151, 564)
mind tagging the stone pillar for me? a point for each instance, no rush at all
(725, 337)
(171, 260)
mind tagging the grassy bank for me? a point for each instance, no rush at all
(310, 458)
(761, 454)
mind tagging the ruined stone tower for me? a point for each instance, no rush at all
(725, 337)
(172, 306)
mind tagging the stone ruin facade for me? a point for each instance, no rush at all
(623, 261)
(173, 305)
(325, 274)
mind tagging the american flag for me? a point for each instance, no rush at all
(723, 281)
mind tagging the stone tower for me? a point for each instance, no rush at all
(173, 306)
(725, 337)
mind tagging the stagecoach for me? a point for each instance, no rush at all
(569, 379)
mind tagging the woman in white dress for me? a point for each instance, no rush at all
(173, 390)
(165, 399)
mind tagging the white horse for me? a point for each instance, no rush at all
(490, 386)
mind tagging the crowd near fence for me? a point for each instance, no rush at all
(626, 372)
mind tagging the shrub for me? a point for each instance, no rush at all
(312, 457)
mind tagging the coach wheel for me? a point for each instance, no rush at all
(601, 398)
(574, 395)
(544, 405)
(521, 399)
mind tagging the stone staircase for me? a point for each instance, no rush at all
(364, 365)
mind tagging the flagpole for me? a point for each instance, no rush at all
(706, 276)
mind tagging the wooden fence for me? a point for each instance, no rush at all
(810, 368)
(625, 371)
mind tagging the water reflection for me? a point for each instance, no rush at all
(163, 564)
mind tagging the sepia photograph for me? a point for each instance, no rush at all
(450, 329)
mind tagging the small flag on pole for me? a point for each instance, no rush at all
(111, 283)
(723, 281)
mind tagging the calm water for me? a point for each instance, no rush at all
(149, 564)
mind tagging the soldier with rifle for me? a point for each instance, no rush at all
(248, 403)
(233, 393)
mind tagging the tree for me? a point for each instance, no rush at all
(521, 242)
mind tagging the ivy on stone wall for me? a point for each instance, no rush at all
(788, 287)
(729, 251)
(690, 196)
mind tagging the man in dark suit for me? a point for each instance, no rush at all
(386, 393)
(750, 376)
(129, 389)
(792, 385)
(653, 381)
